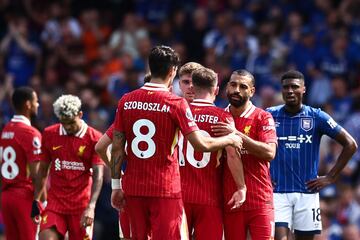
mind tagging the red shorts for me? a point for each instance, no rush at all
(163, 217)
(206, 221)
(259, 222)
(65, 223)
(124, 224)
(16, 209)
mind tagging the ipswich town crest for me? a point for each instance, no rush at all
(306, 124)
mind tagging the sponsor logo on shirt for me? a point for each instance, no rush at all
(68, 165)
(54, 148)
(332, 123)
(295, 141)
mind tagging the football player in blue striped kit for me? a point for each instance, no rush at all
(294, 170)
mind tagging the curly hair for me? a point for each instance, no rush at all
(67, 106)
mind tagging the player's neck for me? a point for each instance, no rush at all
(204, 96)
(237, 111)
(165, 81)
(293, 109)
(27, 115)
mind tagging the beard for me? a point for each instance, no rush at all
(237, 102)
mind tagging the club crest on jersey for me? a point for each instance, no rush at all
(81, 150)
(247, 129)
(44, 219)
(306, 124)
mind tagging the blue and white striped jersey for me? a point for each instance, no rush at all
(297, 156)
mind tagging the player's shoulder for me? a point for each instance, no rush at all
(52, 130)
(261, 113)
(312, 111)
(274, 109)
(93, 133)
(21, 130)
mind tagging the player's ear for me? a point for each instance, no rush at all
(304, 89)
(27, 105)
(216, 90)
(80, 114)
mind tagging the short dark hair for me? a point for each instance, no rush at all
(161, 60)
(20, 96)
(147, 77)
(245, 73)
(292, 74)
(204, 78)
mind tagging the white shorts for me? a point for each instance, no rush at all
(298, 211)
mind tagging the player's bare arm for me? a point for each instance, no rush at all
(101, 148)
(87, 218)
(38, 172)
(259, 149)
(209, 144)
(349, 148)
(236, 167)
(117, 157)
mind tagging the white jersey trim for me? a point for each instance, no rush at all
(247, 112)
(22, 119)
(155, 87)
(202, 103)
(80, 134)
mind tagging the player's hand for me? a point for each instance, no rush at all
(317, 184)
(87, 217)
(238, 198)
(36, 210)
(236, 141)
(221, 128)
(117, 199)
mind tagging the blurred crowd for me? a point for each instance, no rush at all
(97, 50)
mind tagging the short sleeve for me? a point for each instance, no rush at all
(327, 124)
(118, 123)
(184, 118)
(45, 148)
(95, 159)
(266, 128)
(32, 146)
(110, 131)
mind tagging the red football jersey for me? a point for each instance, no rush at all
(201, 173)
(71, 160)
(258, 125)
(20, 144)
(150, 117)
(109, 131)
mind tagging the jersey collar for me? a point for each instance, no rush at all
(155, 87)
(202, 103)
(22, 119)
(79, 134)
(247, 112)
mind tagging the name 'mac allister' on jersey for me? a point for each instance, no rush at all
(71, 158)
(201, 173)
(150, 117)
(258, 125)
(20, 144)
(297, 156)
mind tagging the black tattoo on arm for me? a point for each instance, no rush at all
(117, 154)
